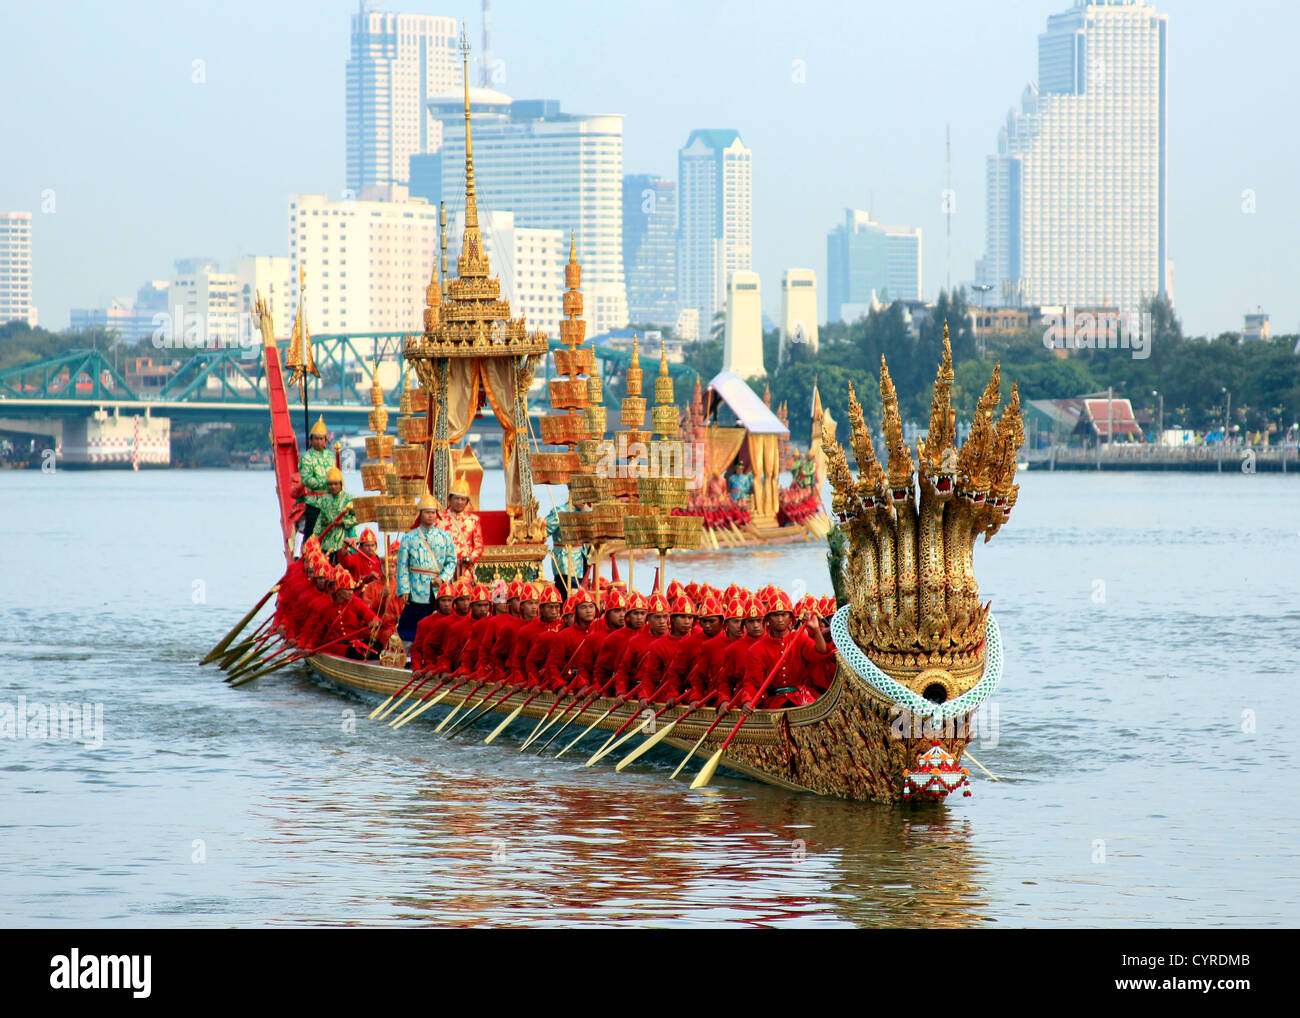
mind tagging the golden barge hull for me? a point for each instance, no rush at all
(846, 745)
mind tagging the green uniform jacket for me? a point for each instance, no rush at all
(313, 465)
(331, 506)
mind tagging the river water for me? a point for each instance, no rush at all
(1152, 632)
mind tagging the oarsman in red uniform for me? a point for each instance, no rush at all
(655, 667)
(515, 652)
(363, 561)
(353, 615)
(725, 683)
(709, 661)
(825, 609)
(485, 664)
(584, 659)
(658, 619)
(560, 670)
(690, 650)
(293, 586)
(548, 624)
(460, 631)
(463, 658)
(612, 647)
(306, 617)
(429, 633)
(793, 683)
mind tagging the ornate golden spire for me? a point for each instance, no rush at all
(900, 460)
(473, 259)
(932, 450)
(871, 478)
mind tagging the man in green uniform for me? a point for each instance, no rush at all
(313, 467)
(334, 501)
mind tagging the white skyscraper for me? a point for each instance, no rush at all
(714, 220)
(16, 268)
(1076, 192)
(368, 262)
(554, 171)
(398, 62)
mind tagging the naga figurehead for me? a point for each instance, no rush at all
(915, 611)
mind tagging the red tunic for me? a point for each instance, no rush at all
(584, 659)
(610, 653)
(467, 655)
(310, 618)
(454, 638)
(731, 673)
(427, 644)
(793, 683)
(630, 661)
(521, 643)
(558, 670)
(689, 650)
(361, 565)
(708, 664)
(654, 665)
(535, 660)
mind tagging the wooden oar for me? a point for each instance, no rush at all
(427, 676)
(472, 714)
(723, 711)
(253, 654)
(721, 714)
(658, 714)
(282, 649)
(415, 674)
(981, 766)
(659, 736)
(455, 710)
(425, 704)
(511, 716)
(547, 721)
(291, 658)
(711, 767)
(618, 704)
(589, 701)
(238, 627)
(636, 713)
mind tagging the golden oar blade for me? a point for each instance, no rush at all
(414, 712)
(238, 628)
(504, 724)
(646, 746)
(635, 730)
(583, 733)
(375, 713)
(687, 758)
(708, 770)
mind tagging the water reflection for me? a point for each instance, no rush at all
(466, 848)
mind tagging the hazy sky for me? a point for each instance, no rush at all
(143, 166)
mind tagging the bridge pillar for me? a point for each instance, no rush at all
(106, 440)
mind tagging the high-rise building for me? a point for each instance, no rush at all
(367, 261)
(714, 220)
(529, 262)
(398, 61)
(798, 323)
(742, 345)
(866, 260)
(206, 310)
(554, 171)
(650, 248)
(16, 268)
(1076, 191)
(273, 278)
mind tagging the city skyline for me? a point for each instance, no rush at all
(245, 114)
